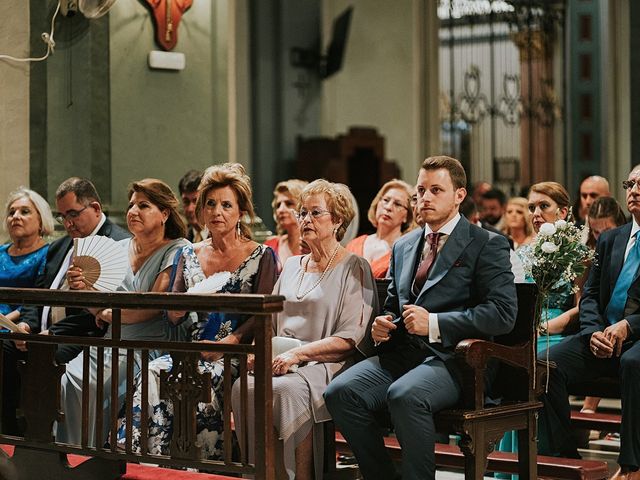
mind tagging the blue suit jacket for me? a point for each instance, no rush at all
(602, 280)
(470, 286)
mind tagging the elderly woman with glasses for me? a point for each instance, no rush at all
(391, 214)
(330, 300)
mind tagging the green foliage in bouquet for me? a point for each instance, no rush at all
(556, 257)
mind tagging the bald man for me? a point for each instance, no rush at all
(590, 189)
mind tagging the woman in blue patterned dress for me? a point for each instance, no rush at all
(27, 220)
(224, 197)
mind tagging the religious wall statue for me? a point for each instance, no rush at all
(167, 15)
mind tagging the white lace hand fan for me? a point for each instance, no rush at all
(211, 284)
(104, 262)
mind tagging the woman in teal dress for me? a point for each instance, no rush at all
(28, 220)
(548, 203)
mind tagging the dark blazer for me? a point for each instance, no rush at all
(602, 280)
(470, 287)
(78, 322)
(493, 229)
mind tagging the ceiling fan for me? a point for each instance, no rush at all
(89, 8)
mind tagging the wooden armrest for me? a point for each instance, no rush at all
(473, 356)
(476, 353)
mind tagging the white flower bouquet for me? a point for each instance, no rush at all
(553, 260)
(556, 257)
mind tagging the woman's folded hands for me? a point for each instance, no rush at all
(286, 362)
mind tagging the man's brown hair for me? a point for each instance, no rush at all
(453, 166)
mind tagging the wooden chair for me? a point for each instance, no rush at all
(479, 425)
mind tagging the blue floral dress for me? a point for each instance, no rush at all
(255, 275)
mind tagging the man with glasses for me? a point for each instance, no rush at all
(606, 345)
(79, 210)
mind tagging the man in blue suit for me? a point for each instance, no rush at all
(449, 281)
(606, 344)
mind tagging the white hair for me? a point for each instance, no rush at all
(40, 204)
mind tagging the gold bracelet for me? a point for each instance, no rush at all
(542, 329)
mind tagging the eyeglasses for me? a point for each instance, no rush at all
(315, 213)
(393, 204)
(71, 215)
(629, 184)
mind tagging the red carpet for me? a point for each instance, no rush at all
(141, 472)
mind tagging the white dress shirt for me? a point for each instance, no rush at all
(60, 276)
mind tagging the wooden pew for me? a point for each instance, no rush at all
(605, 422)
(450, 456)
(38, 455)
(605, 387)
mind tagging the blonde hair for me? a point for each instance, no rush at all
(231, 175)
(338, 198)
(524, 203)
(400, 185)
(39, 203)
(292, 188)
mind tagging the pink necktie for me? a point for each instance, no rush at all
(423, 270)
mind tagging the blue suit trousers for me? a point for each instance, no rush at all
(354, 397)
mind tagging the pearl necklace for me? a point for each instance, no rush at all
(324, 272)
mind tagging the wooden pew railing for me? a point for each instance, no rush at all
(38, 455)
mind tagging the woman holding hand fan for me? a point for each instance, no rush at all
(228, 261)
(158, 231)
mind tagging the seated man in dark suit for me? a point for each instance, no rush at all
(80, 211)
(188, 187)
(606, 344)
(450, 280)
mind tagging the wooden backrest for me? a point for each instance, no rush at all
(522, 331)
(514, 382)
(526, 297)
(509, 368)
